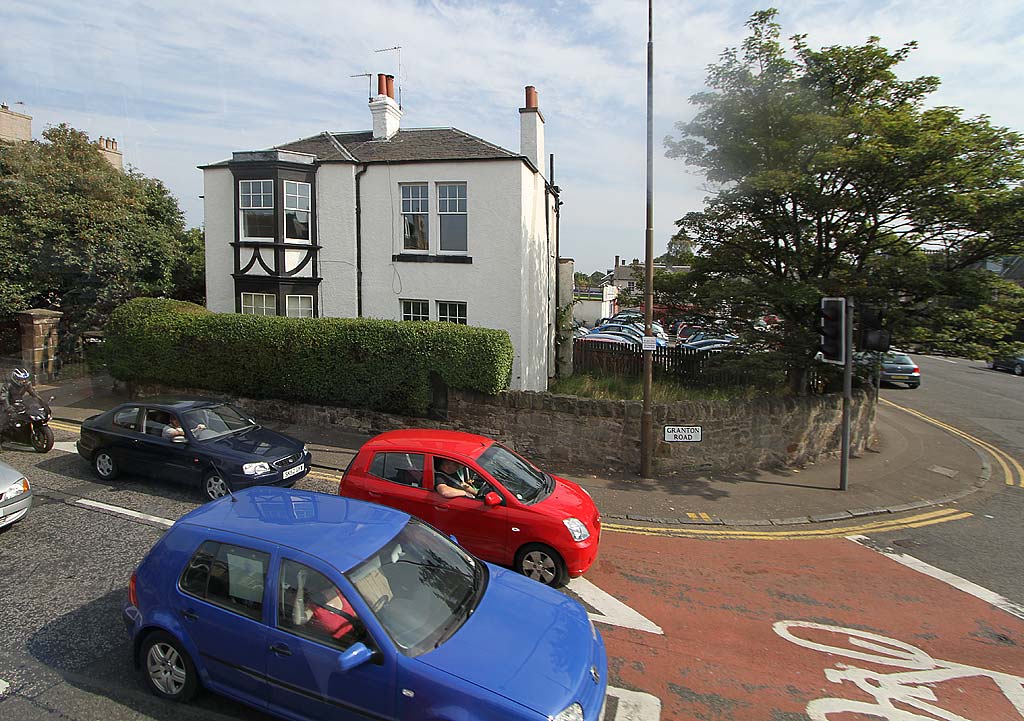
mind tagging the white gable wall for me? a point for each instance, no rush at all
(537, 268)
(336, 223)
(219, 227)
(496, 286)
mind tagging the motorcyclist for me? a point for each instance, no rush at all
(18, 385)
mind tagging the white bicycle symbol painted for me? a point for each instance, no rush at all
(905, 687)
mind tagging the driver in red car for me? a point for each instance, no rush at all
(450, 479)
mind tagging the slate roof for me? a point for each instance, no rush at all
(415, 144)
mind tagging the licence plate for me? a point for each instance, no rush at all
(900, 378)
(292, 471)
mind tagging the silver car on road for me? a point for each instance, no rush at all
(15, 495)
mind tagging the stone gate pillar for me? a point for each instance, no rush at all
(39, 342)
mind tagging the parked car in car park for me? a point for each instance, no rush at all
(15, 495)
(630, 330)
(1014, 364)
(205, 443)
(314, 607)
(543, 526)
(618, 338)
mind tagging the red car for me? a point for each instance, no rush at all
(513, 513)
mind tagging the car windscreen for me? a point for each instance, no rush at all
(898, 358)
(215, 421)
(520, 478)
(420, 586)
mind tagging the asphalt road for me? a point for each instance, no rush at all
(987, 549)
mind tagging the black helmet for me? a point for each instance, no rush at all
(20, 377)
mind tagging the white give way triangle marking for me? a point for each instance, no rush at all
(633, 705)
(610, 610)
(3, 687)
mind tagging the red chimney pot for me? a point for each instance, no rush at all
(391, 86)
(531, 96)
(382, 84)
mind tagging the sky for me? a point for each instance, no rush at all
(187, 83)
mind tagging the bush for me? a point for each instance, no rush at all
(379, 364)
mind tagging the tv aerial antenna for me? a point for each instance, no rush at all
(398, 50)
(369, 91)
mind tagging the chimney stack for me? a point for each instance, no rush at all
(385, 111)
(108, 149)
(531, 130)
(616, 261)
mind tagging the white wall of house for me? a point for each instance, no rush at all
(219, 227)
(504, 276)
(537, 268)
(336, 223)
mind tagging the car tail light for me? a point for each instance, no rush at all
(133, 597)
(916, 370)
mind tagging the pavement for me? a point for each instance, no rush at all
(915, 465)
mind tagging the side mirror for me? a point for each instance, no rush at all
(356, 655)
(492, 499)
(179, 439)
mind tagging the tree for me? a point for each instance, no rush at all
(79, 236)
(832, 178)
(679, 251)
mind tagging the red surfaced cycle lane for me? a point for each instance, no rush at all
(791, 630)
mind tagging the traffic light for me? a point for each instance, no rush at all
(833, 330)
(870, 334)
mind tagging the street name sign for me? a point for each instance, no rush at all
(676, 434)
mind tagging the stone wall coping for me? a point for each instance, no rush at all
(38, 314)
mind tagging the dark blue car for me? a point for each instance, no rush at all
(207, 444)
(311, 606)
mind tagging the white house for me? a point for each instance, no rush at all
(403, 224)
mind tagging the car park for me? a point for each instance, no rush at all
(611, 338)
(314, 607)
(627, 329)
(15, 495)
(1014, 364)
(203, 443)
(543, 526)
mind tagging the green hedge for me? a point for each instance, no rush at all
(358, 362)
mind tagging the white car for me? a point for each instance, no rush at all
(15, 495)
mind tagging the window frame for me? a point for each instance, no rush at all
(242, 306)
(312, 305)
(308, 210)
(360, 633)
(253, 615)
(465, 312)
(387, 463)
(423, 205)
(242, 208)
(464, 198)
(134, 427)
(426, 305)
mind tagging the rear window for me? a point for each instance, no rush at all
(898, 358)
(227, 576)
(404, 468)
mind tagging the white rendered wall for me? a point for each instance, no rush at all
(537, 268)
(336, 227)
(219, 228)
(492, 286)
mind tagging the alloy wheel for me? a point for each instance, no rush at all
(166, 668)
(539, 566)
(1018, 370)
(104, 465)
(215, 486)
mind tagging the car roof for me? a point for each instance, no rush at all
(429, 439)
(9, 474)
(341, 531)
(173, 404)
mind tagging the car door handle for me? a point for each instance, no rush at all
(190, 614)
(280, 649)
(441, 508)
(374, 495)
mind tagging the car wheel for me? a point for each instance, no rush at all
(541, 564)
(105, 465)
(913, 385)
(1018, 370)
(170, 673)
(991, 364)
(214, 486)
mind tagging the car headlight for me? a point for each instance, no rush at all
(255, 469)
(15, 489)
(305, 449)
(577, 529)
(572, 713)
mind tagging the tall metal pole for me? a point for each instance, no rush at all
(847, 391)
(646, 432)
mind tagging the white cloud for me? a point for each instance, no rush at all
(187, 83)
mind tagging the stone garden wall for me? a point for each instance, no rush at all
(567, 432)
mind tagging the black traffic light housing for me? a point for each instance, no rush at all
(870, 333)
(833, 325)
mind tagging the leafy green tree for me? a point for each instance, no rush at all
(79, 236)
(833, 178)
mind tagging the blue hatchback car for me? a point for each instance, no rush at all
(313, 606)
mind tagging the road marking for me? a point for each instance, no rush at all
(941, 359)
(890, 524)
(4, 686)
(64, 427)
(124, 511)
(1000, 455)
(65, 447)
(612, 611)
(962, 584)
(634, 705)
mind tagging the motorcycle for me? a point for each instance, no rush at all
(28, 424)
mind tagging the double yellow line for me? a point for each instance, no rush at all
(62, 426)
(1013, 472)
(889, 524)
